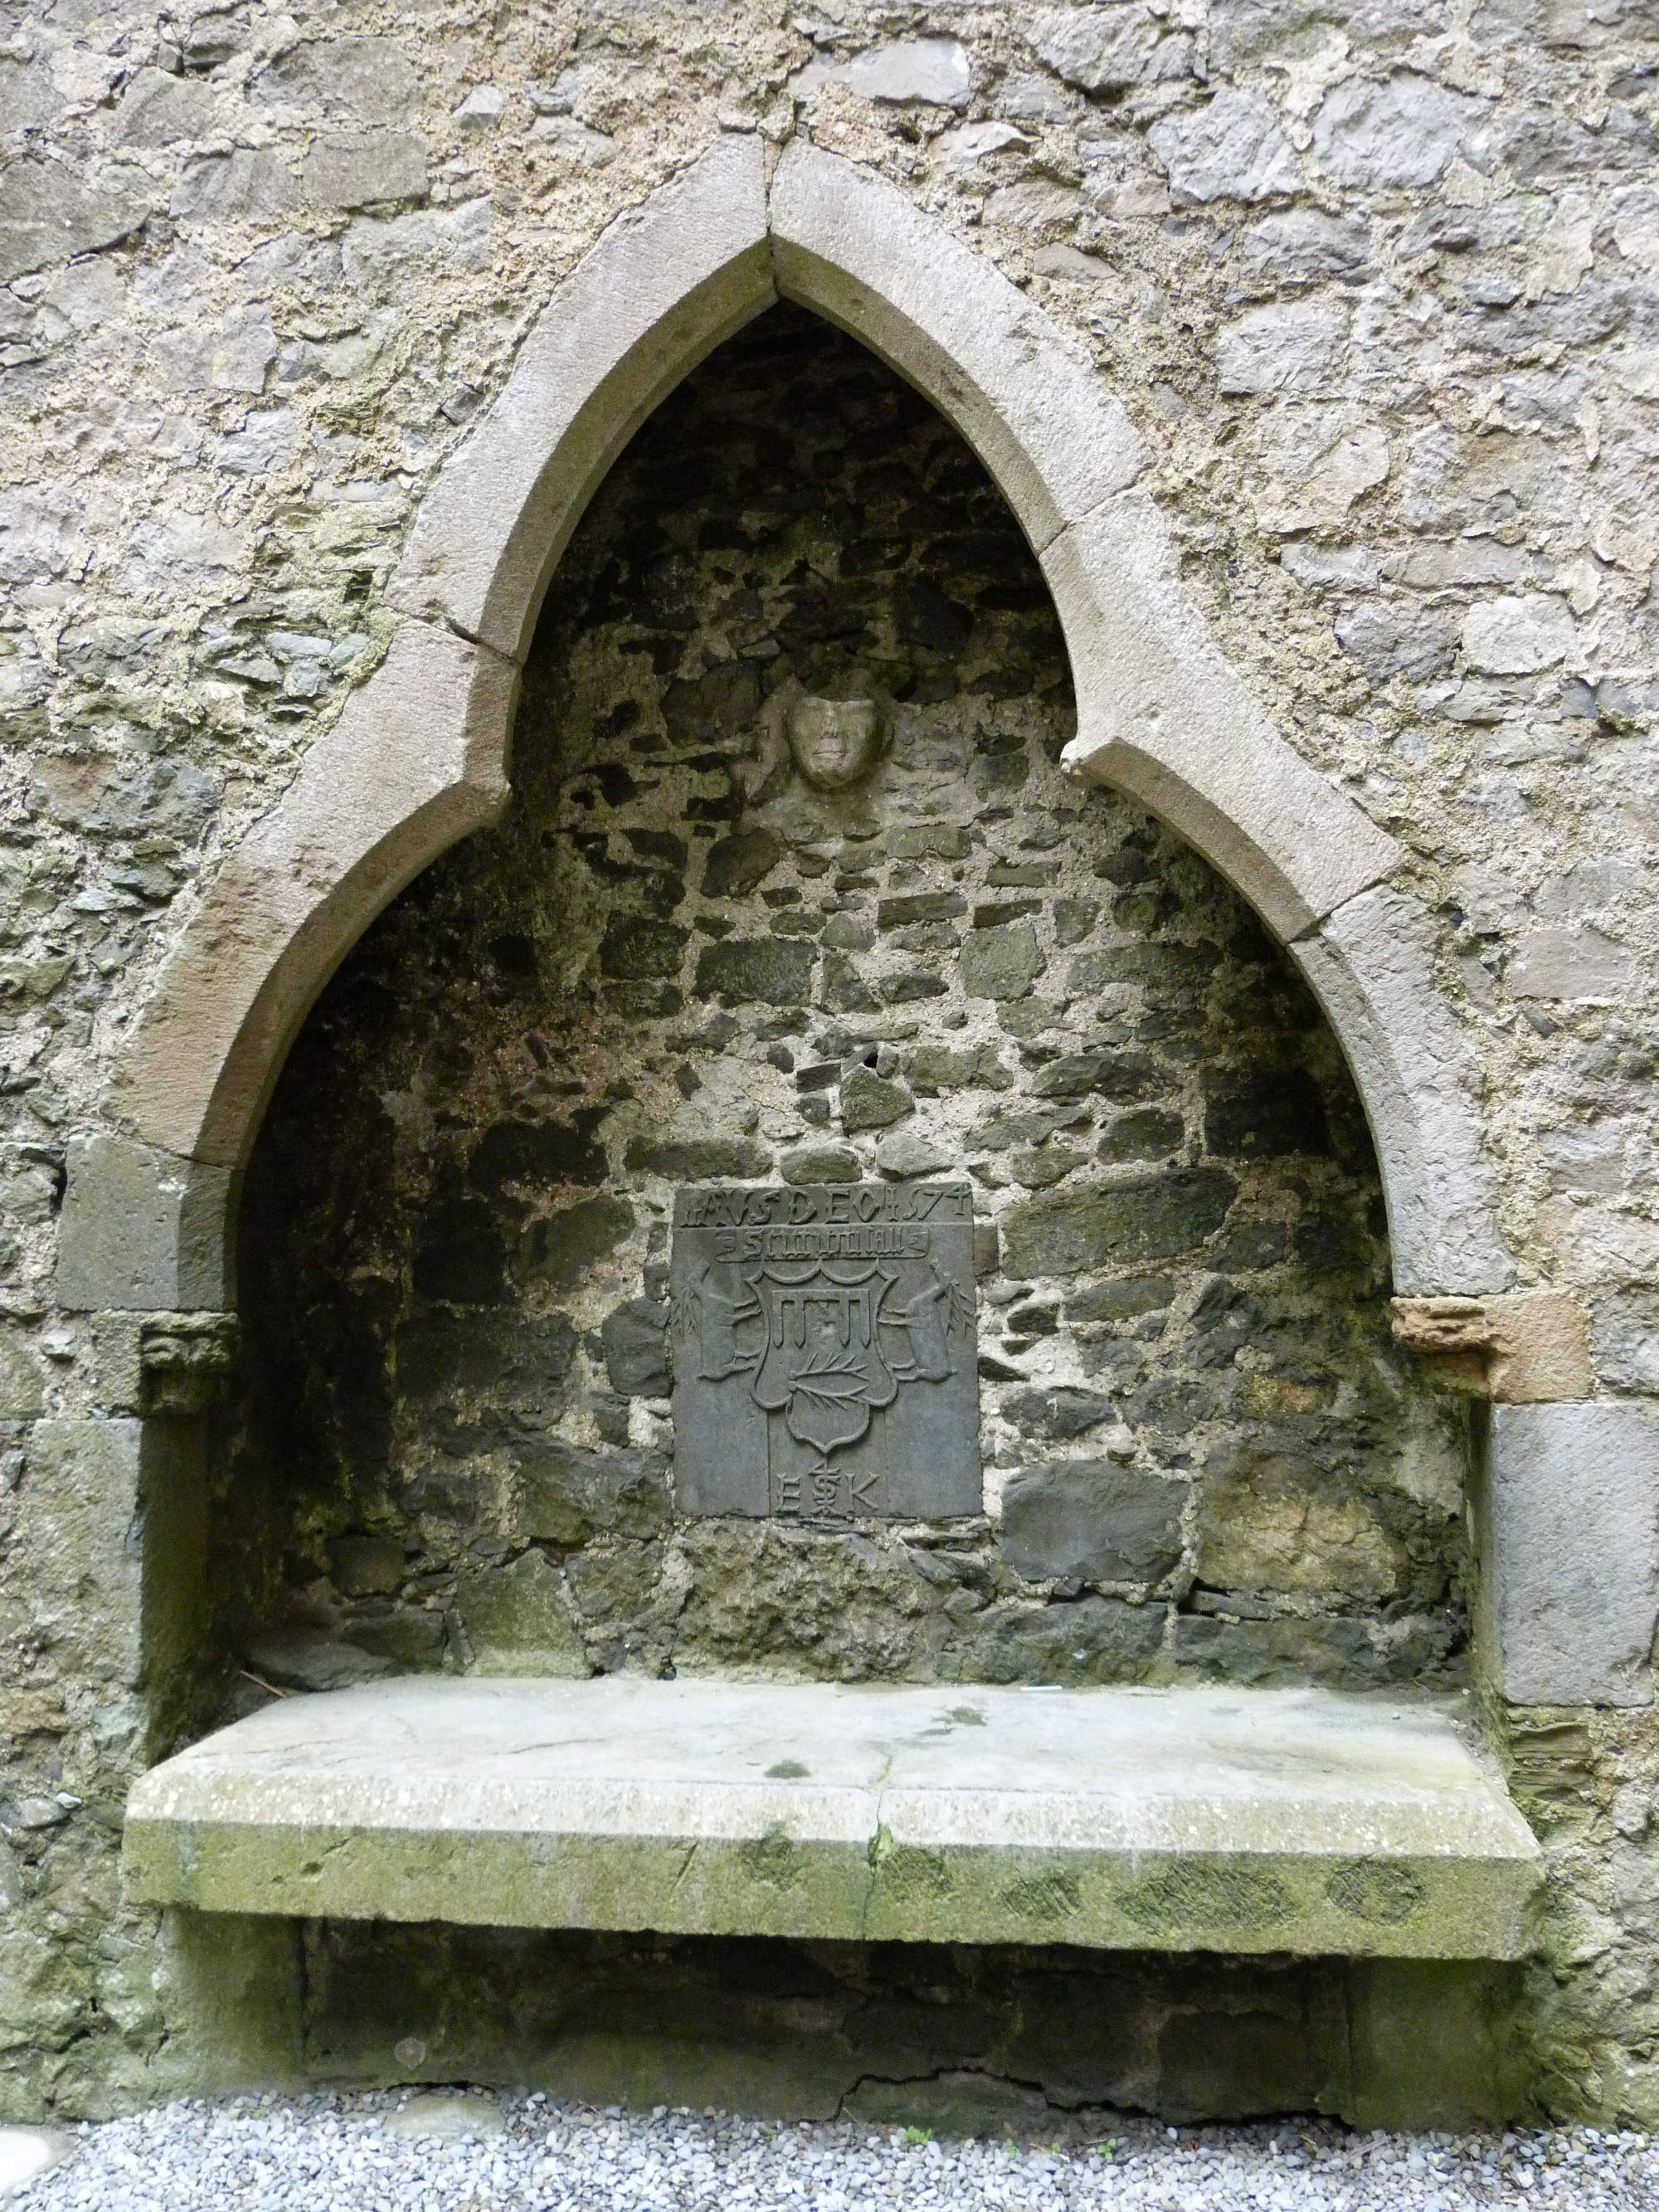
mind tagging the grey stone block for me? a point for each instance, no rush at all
(697, 1160)
(1301, 246)
(47, 213)
(250, 186)
(113, 1523)
(1404, 131)
(908, 1152)
(635, 1340)
(370, 80)
(1231, 149)
(356, 168)
(1092, 1640)
(1574, 964)
(1292, 347)
(80, 1522)
(570, 1241)
(935, 70)
(740, 863)
(1152, 1217)
(1054, 1410)
(145, 1228)
(516, 1620)
(822, 1164)
(567, 1494)
(22, 1383)
(778, 971)
(870, 1102)
(1088, 1518)
(159, 110)
(1001, 964)
(1106, 50)
(1569, 1545)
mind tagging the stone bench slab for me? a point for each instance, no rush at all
(1143, 1819)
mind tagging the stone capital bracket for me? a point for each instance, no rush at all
(1521, 1348)
(185, 1360)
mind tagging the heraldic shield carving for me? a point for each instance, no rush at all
(825, 1355)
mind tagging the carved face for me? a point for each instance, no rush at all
(834, 741)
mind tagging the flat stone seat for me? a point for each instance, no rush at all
(1175, 1819)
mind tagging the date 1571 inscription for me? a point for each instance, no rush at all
(824, 1362)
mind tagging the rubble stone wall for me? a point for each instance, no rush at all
(1379, 287)
(678, 961)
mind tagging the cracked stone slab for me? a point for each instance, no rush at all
(1176, 1820)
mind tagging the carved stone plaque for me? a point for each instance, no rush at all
(825, 1354)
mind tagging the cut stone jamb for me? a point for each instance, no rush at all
(1567, 1531)
(1370, 964)
(113, 1514)
(145, 1231)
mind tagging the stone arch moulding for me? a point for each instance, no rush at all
(419, 758)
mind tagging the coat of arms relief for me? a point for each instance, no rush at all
(825, 1352)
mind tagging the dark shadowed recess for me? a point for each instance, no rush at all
(1040, 2044)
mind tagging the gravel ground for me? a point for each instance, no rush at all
(467, 2152)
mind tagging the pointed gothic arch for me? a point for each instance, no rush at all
(419, 757)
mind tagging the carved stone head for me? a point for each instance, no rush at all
(835, 742)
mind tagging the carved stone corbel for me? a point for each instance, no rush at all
(184, 1360)
(1522, 1347)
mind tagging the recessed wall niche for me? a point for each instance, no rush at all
(685, 959)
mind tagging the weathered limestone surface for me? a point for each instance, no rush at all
(1374, 306)
(664, 287)
(144, 1231)
(1572, 1552)
(1230, 1822)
